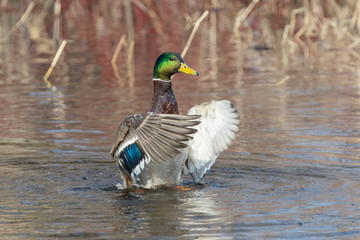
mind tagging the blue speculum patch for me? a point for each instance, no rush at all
(132, 155)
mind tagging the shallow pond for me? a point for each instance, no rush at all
(292, 172)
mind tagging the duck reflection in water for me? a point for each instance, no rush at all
(169, 212)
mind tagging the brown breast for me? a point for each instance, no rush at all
(164, 100)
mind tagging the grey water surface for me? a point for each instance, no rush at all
(293, 171)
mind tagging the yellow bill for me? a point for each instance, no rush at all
(185, 69)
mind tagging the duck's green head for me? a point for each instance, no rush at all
(170, 63)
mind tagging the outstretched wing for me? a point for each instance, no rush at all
(150, 138)
(219, 124)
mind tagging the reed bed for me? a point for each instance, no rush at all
(289, 26)
(288, 22)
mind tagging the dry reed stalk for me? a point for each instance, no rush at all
(354, 43)
(156, 21)
(121, 43)
(283, 80)
(54, 62)
(355, 54)
(21, 21)
(285, 35)
(355, 18)
(131, 52)
(140, 5)
(213, 48)
(57, 11)
(242, 15)
(303, 29)
(342, 32)
(129, 61)
(197, 24)
(129, 20)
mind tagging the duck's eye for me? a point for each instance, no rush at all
(172, 59)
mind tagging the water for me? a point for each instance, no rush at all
(292, 172)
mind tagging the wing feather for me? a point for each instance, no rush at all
(172, 135)
(150, 138)
(178, 129)
(218, 127)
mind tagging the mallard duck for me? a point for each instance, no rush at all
(161, 146)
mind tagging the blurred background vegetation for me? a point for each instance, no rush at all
(292, 27)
